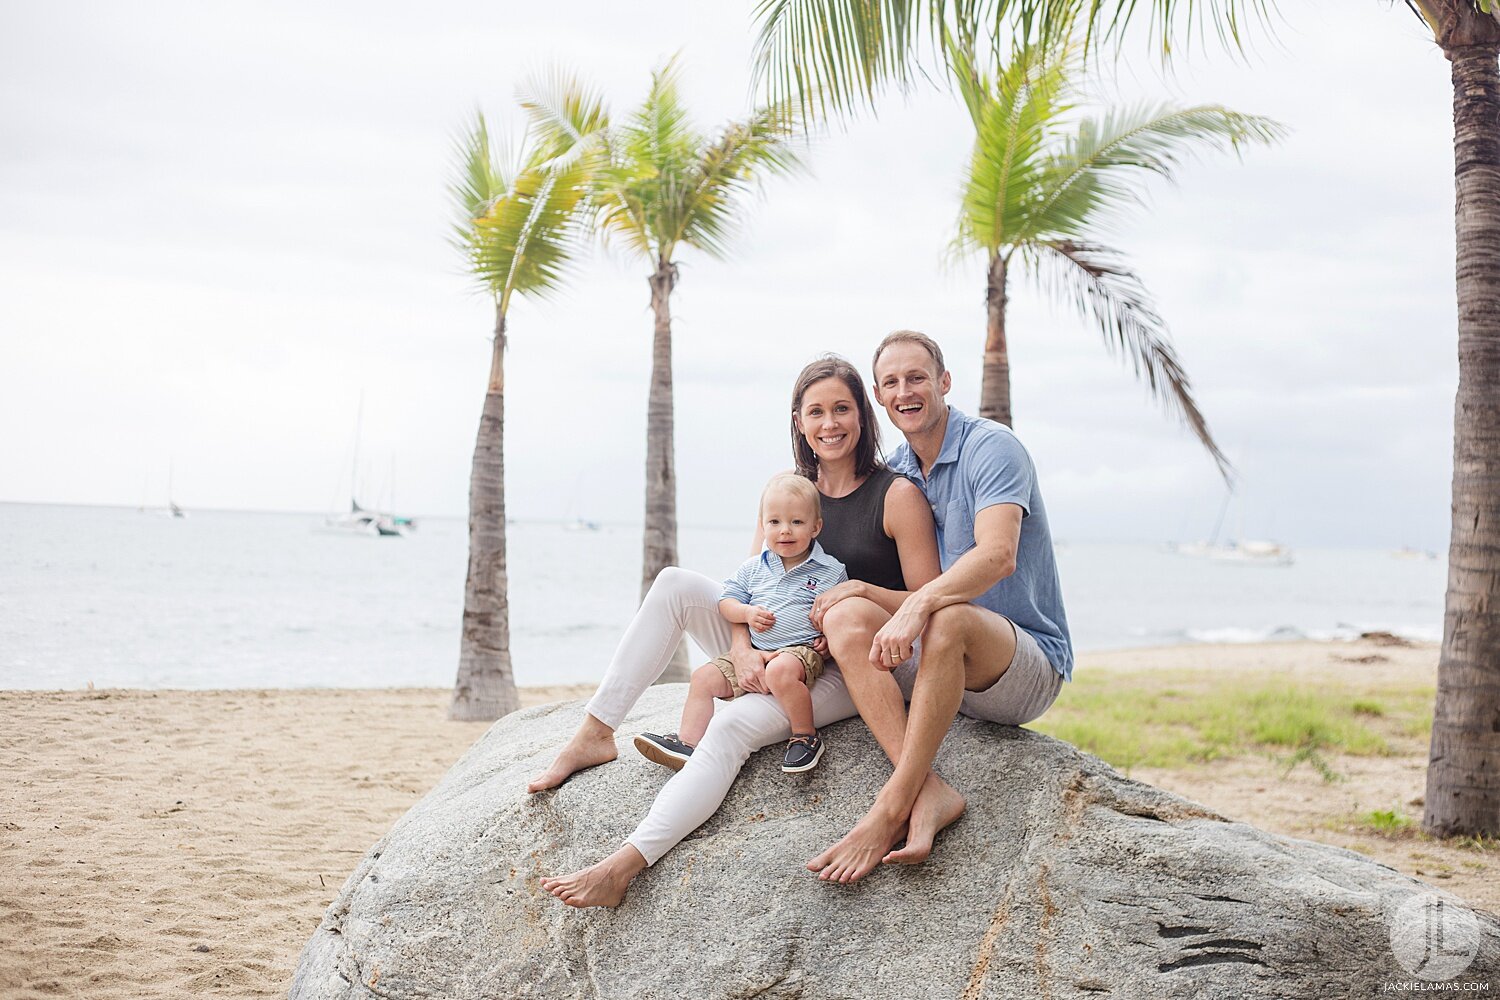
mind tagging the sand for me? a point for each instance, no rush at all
(171, 843)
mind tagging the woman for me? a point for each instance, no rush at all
(874, 521)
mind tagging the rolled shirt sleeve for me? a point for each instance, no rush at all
(737, 587)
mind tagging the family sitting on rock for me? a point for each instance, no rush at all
(932, 580)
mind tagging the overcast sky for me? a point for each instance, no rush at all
(220, 224)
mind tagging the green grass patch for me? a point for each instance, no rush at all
(1175, 718)
(1482, 844)
(1387, 821)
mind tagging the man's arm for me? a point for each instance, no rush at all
(997, 536)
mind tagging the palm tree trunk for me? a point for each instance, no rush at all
(994, 393)
(486, 687)
(1463, 772)
(660, 543)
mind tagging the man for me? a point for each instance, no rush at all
(994, 639)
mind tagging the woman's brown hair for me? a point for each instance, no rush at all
(867, 450)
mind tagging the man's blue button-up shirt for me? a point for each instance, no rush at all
(982, 464)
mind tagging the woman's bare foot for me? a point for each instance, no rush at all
(603, 884)
(593, 744)
(937, 806)
(862, 848)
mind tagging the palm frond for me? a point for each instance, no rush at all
(831, 54)
(1092, 175)
(568, 117)
(667, 183)
(480, 178)
(639, 194)
(729, 170)
(1101, 285)
(518, 224)
(1014, 116)
(842, 51)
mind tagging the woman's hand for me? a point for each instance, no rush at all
(893, 643)
(830, 597)
(750, 668)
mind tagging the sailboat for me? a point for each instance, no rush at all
(1247, 551)
(171, 509)
(359, 520)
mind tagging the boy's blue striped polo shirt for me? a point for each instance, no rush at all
(787, 594)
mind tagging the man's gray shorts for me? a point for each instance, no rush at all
(1028, 687)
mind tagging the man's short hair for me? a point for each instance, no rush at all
(799, 486)
(910, 337)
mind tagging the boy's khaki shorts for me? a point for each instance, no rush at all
(812, 663)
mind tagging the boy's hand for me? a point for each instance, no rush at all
(759, 619)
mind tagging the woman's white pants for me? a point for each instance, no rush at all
(683, 601)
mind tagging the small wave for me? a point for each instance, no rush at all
(1342, 632)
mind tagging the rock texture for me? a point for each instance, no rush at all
(1064, 879)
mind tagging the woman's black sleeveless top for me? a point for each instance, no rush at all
(854, 533)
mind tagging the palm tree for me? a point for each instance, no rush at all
(518, 223)
(668, 186)
(846, 49)
(1037, 189)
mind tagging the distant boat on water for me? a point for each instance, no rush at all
(373, 523)
(171, 509)
(360, 521)
(1407, 552)
(1250, 552)
(580, 524)
(1261, 553)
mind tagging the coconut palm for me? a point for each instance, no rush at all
(670, 186)
(518, 223)
(1039, 189)
(844, 50)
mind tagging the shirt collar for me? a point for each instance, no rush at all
(817, 557)
(952, 437)
(905, 460)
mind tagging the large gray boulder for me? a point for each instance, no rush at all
(1064, 879)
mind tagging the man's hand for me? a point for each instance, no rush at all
(893, 643)
(758, 618)
(750, 668)
(830, 597)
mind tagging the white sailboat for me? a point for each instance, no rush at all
(359, 521)
(171, 510)
(1253, 552)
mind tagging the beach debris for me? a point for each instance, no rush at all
(1383, 638)
(1367, 658)
(1062, 876)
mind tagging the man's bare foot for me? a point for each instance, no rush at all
(937, 806)
(593, 744)
(603, 884)
(859, 853)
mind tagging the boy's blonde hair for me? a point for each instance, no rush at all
(799, 486)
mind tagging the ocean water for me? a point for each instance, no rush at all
(121, 598)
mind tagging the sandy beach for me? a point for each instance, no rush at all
(175, 843)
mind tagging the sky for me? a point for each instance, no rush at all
(223, 244)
